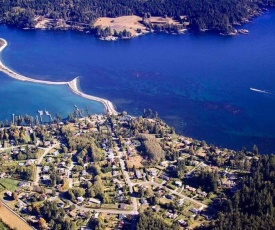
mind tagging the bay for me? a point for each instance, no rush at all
(198, 83)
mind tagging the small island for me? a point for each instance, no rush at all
(111, 20)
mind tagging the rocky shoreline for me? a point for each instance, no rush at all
(131, 31)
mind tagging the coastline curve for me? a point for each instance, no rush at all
(71, 84)
(108, 105)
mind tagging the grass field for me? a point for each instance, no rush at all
(2, 188)
(9, 184)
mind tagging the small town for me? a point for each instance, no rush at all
(110, 172)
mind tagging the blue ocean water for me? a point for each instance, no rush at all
(200, 84)
(21, 98)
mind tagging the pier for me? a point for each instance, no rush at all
(71, 84)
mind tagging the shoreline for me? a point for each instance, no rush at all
(107, 104)
(72, 85)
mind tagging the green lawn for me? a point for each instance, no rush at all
(109, 206)
(158, 180)
(9, 184)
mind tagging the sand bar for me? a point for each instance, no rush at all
(71, 84)
(108, 105)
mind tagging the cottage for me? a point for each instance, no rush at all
(63, 164)
(96, 201)
(2, 175)
(143, 201)
(164, 177)
(202, 193)
(121, 217)
(46, 178)
(47, 143)
(122, 206)
(194, 210)
(178, 183)
(191, 189)
(49, 159)
(80, 199)
(61, 171)
(153, 171)
(72, 214)
(55, 153)
(9, 193)
(180, 202)
(22, 184)
(138, 174)
(30, 162)
(164, 163)
(182, 222)
(46, 169)
(155, 208)
(171, 215)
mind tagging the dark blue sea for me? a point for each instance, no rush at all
(198, 83)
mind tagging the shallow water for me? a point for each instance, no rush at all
(22, 98)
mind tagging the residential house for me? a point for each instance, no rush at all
(138, 174)
(182, 222)
(164, 177)
(95, 201)
(122, 206)
(178, 183)
(80, 199)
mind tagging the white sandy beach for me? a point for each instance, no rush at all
(71, 84)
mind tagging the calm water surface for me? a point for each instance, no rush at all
(200, 84)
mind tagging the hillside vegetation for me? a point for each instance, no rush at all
(218, 15)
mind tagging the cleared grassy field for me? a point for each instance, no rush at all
(2, 188)
(9, 184)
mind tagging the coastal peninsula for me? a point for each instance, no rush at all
(71, 84)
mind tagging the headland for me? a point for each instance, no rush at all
(71, 84)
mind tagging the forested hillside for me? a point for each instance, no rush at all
(252, 206)
(218, 15)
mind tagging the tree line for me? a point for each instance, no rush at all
(218, 15)
(252, 206)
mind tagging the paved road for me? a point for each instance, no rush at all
(128, 181)
(70, 179)
(112, 211)
(196, 167)
(39, 160)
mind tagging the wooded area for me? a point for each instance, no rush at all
(252, 206)
(218, 15)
